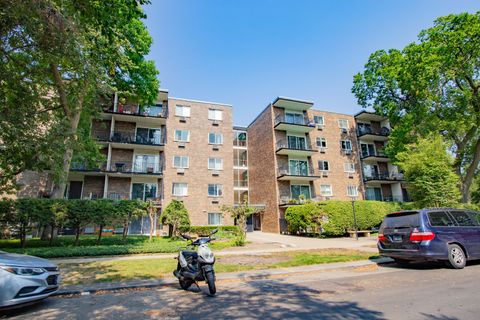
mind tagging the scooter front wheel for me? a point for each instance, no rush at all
(211, 283)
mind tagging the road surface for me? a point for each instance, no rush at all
(385, 292)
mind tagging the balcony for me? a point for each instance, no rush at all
(137, 167)
(238, 143)
(378, 156)
(92, 169)
(240, 163)
(384, 177)
(367, 133)
(240, 184)
(132, 110)
(297, 124)
(122, 138)
(287, 201)
(294, 148)
(297, 174)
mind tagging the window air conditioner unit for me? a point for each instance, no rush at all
(327, 198)
(215, 122)
(181, 170)
(183, 119)
(181, 145)
(322, 149)
(344, 130)
(320, 126)
(324, 173)
(348, 151)
(215, 148)
(350, 175)
(215, 173)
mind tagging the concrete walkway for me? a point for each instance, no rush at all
(259, 243)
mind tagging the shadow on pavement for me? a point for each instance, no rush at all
(425, 265)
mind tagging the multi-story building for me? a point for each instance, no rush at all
(298, 154)
(381, 179)
(190, 151)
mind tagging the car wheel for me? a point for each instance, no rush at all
(457, 258)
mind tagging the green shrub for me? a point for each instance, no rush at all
(223, 231)
(305, 218)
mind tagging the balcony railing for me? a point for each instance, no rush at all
(384, 176)
(384, 131)
(118, 195)
(84, 166)
(287, 200)
(240, 162)
(128, 137)
(140, 167)
(239, 143)
(284, 144)
(302, 121)
(240, 183)
(300, 172)
(135, 110)
(377, 153)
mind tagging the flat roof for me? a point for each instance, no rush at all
(200, 101)
(291, 99)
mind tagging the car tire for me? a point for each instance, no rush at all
(457, 259)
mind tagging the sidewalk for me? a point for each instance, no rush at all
(260, 243)
(342, 269)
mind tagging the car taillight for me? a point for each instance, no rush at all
(381, 237)
(417, 236)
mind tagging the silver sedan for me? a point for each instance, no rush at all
(25, 279)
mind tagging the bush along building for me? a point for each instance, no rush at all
(190, 151)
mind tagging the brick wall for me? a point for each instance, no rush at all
(93, 185)
(119, 186)
(262, 169)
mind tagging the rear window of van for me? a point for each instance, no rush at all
(410, 219)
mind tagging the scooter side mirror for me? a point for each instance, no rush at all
(214, 231)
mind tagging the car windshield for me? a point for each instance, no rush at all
(409, 219)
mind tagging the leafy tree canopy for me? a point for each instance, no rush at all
(432, 85)
(176, 215)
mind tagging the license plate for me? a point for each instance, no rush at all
(397, 238)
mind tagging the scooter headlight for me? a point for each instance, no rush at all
(23, 271)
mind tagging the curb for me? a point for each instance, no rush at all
(263, 274)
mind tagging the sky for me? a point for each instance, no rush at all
(246, 53)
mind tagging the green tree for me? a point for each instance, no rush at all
(431, 86)
(58, 216)
(176, 216)
(240, 214)
(476, 191)
(103, 214)
(428, 171)
(127, 211)
(79, 215)
(59, 61)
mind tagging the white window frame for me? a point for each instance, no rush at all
(321, 139)
(216, 162)
(216, 135)
(341, 144)
(319, 123)
(213, 114)
(182, 158)
(323, 165)
(218, 190)
(178, 184)
(322, 191)
(185, 111)
(345, 121)
(352, 187)
(175, 135)
(217, 214)
(349, 167)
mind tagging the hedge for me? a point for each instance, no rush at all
(335, 218)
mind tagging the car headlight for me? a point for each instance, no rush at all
(23, 271)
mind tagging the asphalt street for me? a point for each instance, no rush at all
(374, 292)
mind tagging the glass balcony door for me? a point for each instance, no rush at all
(367, 149)
(373, 194)
(295, 142)
(298, 167)
(149, 136)
(144, 191)
(295, 118)
(297, 190)
(146, 163)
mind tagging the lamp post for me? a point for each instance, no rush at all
(354, 218)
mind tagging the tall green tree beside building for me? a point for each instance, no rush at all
(431, 86)
(59, 60)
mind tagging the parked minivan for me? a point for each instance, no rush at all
(441, 234)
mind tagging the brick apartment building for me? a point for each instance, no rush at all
(190, 151)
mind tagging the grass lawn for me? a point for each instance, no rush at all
(124, 270)
(63, 246)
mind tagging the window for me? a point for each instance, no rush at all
(346, 145)
(146, 163)
(215, 138)
(373, 194)
(215, 164)
(182, 111)
(296, 118)
(326, 189)
(321, 142)
(180, 189)
(149, 136)
(343, 123)
(297, 143)
(215, 190)
(352, 191)
(323, 165)
(214, 114)
(298, 190)
(462, 218)
(182, 135)
(298, 167)
(368, 149)
(215, 218)
(180, 161)
(319, 120)
(154, 110)
(144, 191)
(349, 167)
(440, 219)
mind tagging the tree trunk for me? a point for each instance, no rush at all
(100, 234)
(23, 236)
(52, 234)
(470, 174)
(77, 235)
(125, 230)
